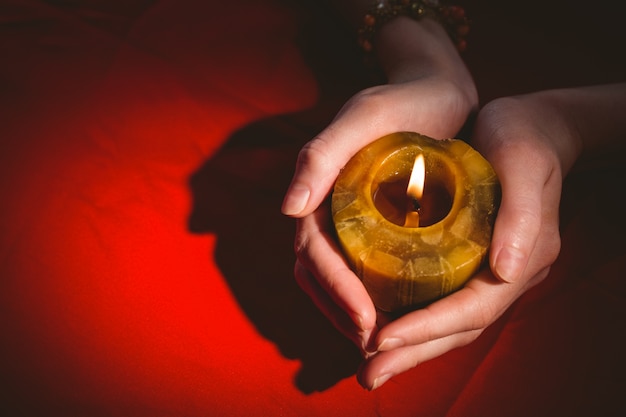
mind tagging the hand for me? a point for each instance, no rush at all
(531, 145)
(430, 91)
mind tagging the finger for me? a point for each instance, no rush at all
(321, 159)
(379, 368)
(336, 315)
(318, 252)
(445, 327)
(474, 307)
(523, 170)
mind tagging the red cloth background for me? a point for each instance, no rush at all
(145, 268)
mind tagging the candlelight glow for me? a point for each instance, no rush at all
(414, 191)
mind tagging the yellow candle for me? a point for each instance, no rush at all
(411, 248)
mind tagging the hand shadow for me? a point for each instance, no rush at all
(237, 195)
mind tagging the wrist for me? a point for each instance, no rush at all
(451, 18)
(595, 114)
(591, 116)
(409, 50)
(415, 47)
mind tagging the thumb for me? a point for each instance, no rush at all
(519, 219)
(317, 166)
(321, 159)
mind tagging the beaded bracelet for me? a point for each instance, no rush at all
(452, 18)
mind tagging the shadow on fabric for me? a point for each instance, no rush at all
(237, 195)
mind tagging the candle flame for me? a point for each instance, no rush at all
(416, 181)
(414, 191)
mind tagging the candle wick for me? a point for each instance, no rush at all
(416, 204)
(412, 218)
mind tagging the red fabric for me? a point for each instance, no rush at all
(146, 270)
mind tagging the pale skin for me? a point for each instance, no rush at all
(532, 141)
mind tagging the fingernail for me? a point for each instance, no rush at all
(295, 200)
(390, 343)
(366, 351)
(380, 381)
(509, 264)
(358, 320)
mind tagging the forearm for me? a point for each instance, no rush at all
(401, 41)
(597, 114)
(409, 49)
(593, 117)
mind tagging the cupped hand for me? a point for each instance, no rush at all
(430, 91)
(432, 105)
(531, 146)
